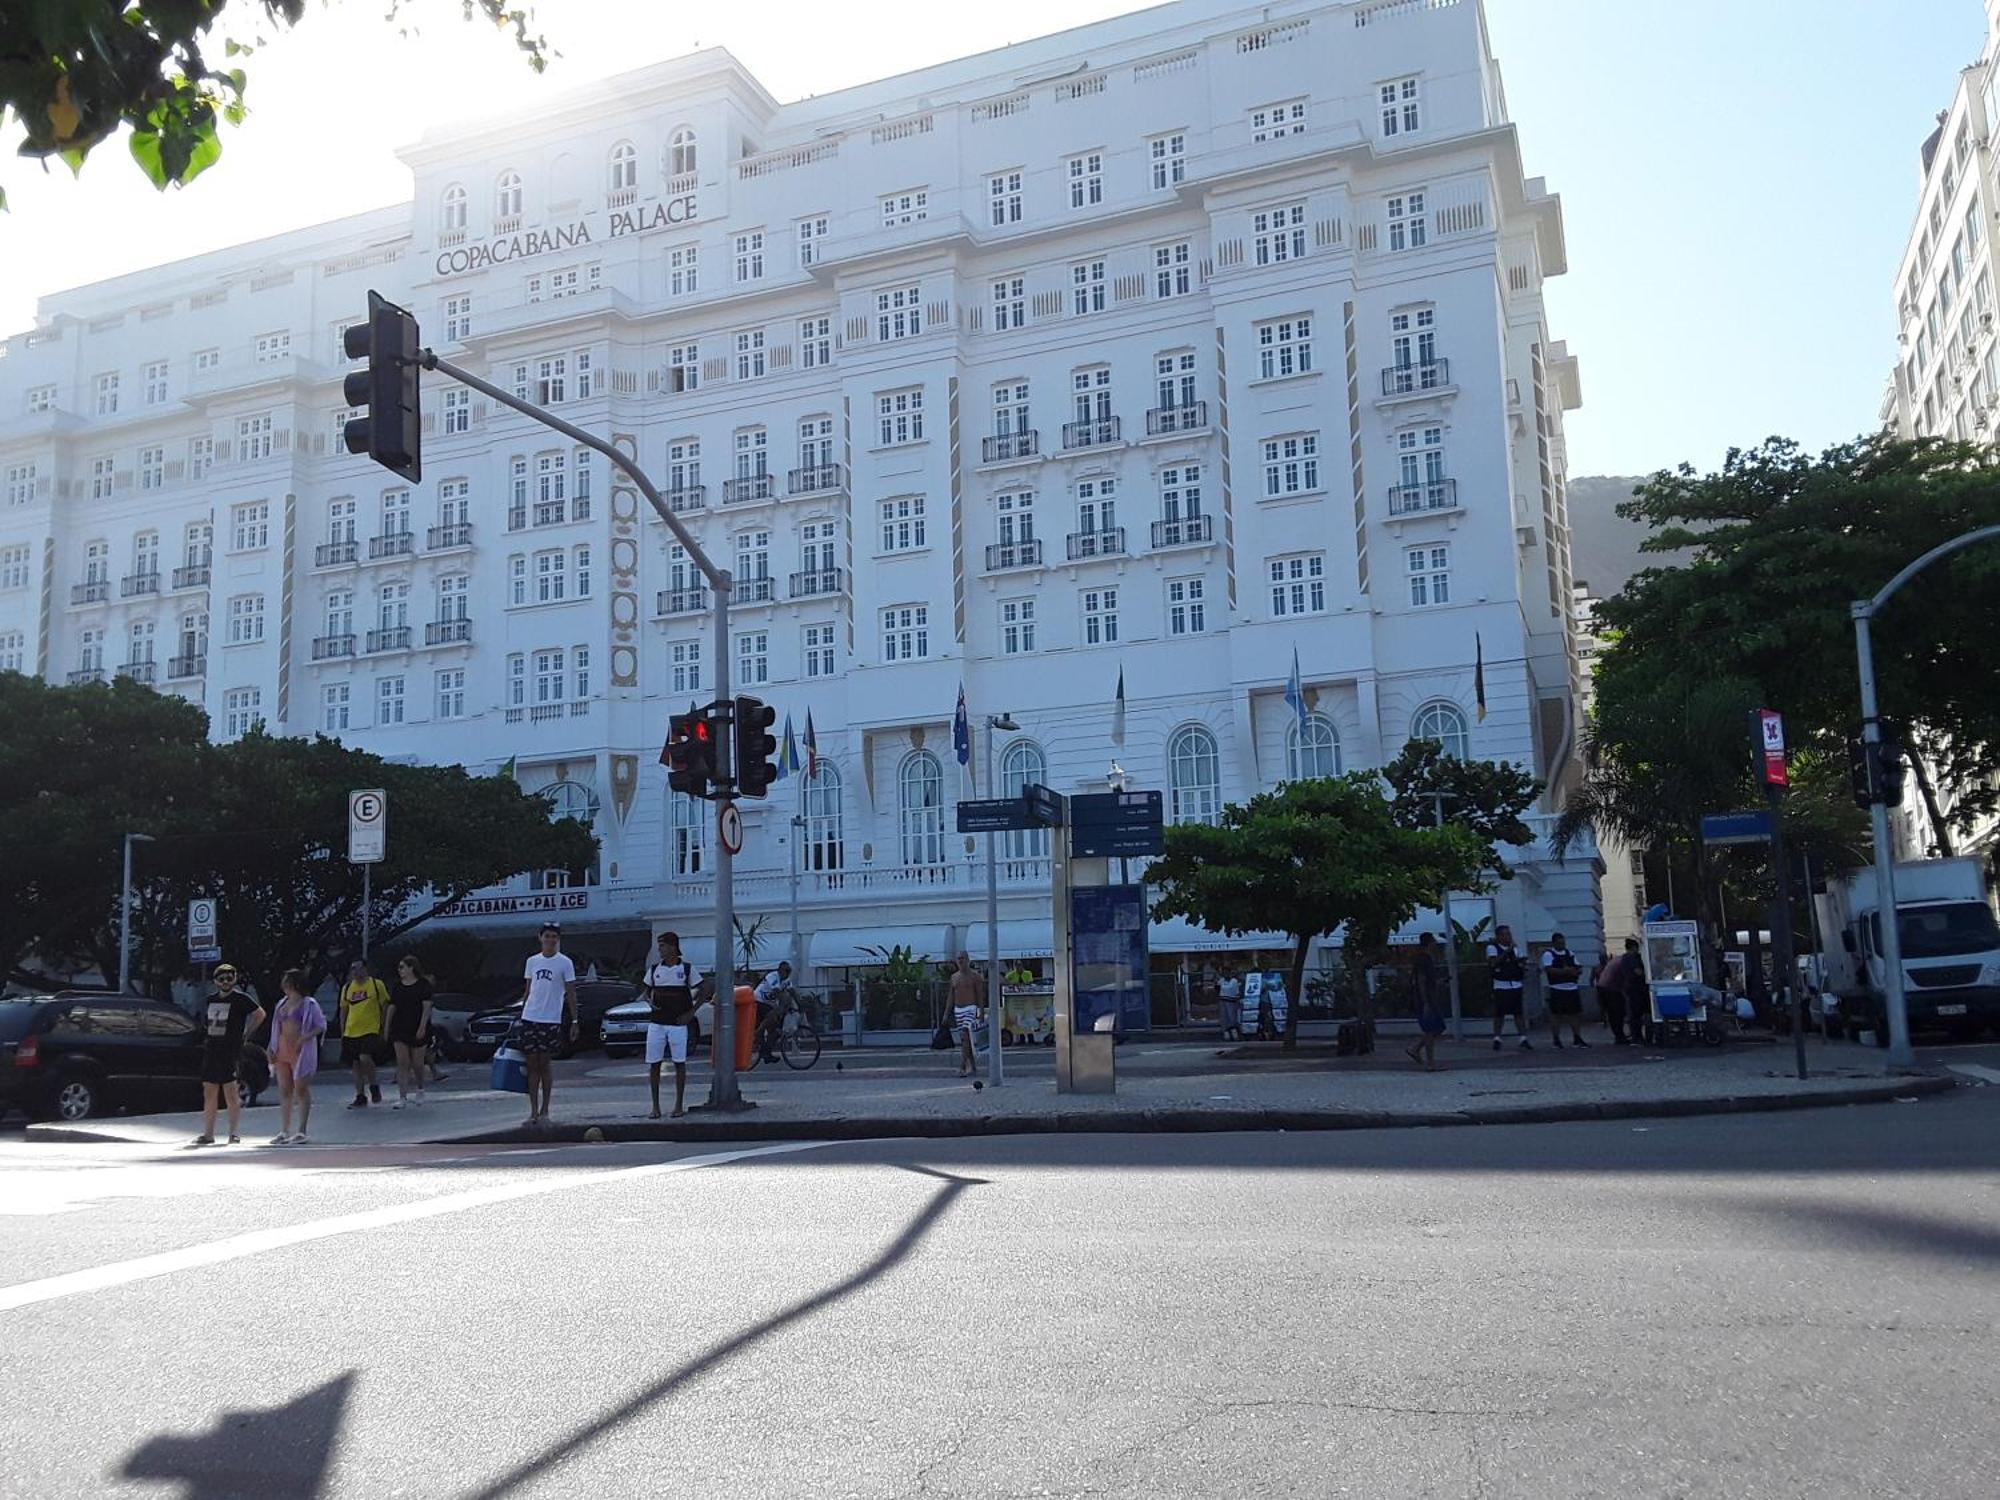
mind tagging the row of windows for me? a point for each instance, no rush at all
(621, 168)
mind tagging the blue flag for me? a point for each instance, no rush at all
(788, 753)
(1295, 690)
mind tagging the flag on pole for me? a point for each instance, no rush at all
(1479, 676)
(508, 770)
(1118, 711)
(961, 734)
(812, 747)
(1295, 690)
(788, 753)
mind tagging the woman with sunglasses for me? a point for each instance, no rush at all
(409, 1028)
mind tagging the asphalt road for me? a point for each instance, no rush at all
(1783, 1305)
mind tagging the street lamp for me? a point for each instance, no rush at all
(125, 913)
(995, 1073)
(1438, 800)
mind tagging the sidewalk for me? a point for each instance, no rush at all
(1160, 1088)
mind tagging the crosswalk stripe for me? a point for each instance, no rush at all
(1974, 1070)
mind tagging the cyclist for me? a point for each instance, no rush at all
(770, 991)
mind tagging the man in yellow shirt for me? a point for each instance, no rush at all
(364, 1007)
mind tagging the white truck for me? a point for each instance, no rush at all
(1951, 949)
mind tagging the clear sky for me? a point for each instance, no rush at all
(1738, 176)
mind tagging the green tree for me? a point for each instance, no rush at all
(1486, 797)
(80, 767)
(72, 72)
(1777, 544)
(1307, 859)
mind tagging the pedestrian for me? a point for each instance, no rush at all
(1510, 976)
(1560, 973)
(1430, 1008)
(297, 1024)
(965, 988)
(410, 1028)
(548, 1015)
(227, 1015)
(1638, 994)
(769, 988)
(670, 987)
(1229, 992)
(363, 1012)
(1609, 982)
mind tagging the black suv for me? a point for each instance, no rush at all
(70, 1056)
(485, 1031)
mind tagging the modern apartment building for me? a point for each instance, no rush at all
(1166, 347)
(1947, 378)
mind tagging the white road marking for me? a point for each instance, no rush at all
(124, 1273)
(1974, 1070)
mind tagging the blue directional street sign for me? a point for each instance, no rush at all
(1047, 805)
(1753, 827)
(999, 815)
(1115, 824)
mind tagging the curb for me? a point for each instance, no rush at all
(1191, 1121)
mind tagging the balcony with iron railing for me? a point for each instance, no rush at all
(1000, 556)
(687, 601)
(551, 512)
(517, 518)
(336, 554)
(90, 591)
(747, 490)
(753, 590)
(180, 668)
(139, 671)
(447, 632)
(1415, 499)
(391, 544)
(1417, 379)
(1163, 421)
(686, 498)
(389, 638)
(816, 479)
(1108, 542)
(442, 538)
(86, 674)
(1091, 434)
(193, 576)
(1184, 531)
(1005, 447)
(815, 583)
(137, 584)
(332, 647)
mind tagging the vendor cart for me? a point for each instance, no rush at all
(1683, 1008)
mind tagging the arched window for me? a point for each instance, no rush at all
(1312, 749)
(1445, 724)
(920, 798)
(680, 153)
(1023, 764)
(453, 215)
(624, 166)
(1194, 777)
(687, 842)
(823, 847)
(507, 196)
(569, 799)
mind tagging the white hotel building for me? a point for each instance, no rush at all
(1947, 378)
(1171, 344)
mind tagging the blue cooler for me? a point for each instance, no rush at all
(510, 1070)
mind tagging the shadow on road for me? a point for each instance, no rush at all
(252, 1455)
(894, 1254)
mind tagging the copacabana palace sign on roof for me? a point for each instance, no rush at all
(639, 218)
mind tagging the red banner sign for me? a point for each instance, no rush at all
(1771, 730)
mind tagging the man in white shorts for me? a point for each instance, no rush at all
(670, 986)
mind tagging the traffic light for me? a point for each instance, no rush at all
(391, 432)
(755, 747)
(690, 753)
(1860, 783)
(1876, 772)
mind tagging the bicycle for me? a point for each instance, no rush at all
(798, 1041)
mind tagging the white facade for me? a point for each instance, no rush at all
(1168, 345)
(1947, 378)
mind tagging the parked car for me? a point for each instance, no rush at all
(624, 1029)
(450, 1012)
(595, 999)
(73, 1055)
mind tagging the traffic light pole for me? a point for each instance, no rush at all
(1864, 612)
(723, 1093)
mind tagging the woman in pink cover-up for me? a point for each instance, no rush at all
(297, 1024)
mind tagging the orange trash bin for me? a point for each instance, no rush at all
(746, 1025)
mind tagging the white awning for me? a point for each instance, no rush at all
(843, 947)
(1178, 935)
(1017, 940)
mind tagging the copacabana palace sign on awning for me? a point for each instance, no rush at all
(639, 218)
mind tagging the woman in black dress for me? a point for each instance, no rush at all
(409, 1028)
